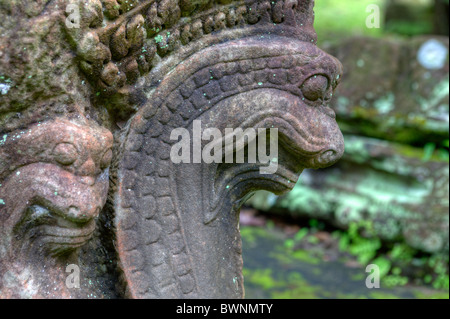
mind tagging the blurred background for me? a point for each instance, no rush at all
(386, 202)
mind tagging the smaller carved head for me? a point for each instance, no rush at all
(55, 178)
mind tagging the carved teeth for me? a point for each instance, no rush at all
(265, 11)
(169, 11)
(197, 29)
(289, 7)
(186, 34)
(113, 8)
(154, 22)
(241, 15)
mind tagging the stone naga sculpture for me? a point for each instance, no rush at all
(157, 66)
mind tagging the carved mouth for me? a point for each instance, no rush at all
(296, 150)
(306, 148)
(282, 179)
(239, 181)
(293, 136)
(53, 232)
(242, 179)
(311, 151)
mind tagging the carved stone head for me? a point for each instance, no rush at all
(54, 182)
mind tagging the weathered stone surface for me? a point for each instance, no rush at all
(140, 69)
(39, 77)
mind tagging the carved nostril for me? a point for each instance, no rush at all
(328, 157)
(75, 214)
(88, 168)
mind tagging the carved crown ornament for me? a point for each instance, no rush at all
(119, 42)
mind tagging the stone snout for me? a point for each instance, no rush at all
(306, 134)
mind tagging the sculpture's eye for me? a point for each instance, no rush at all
(65, 153)
(315, 87)
(106, 159)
